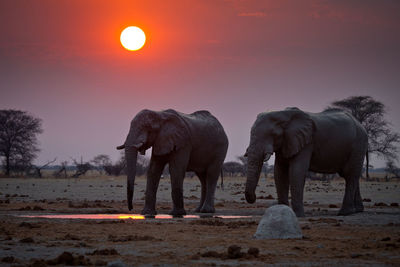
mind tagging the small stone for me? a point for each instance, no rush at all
(253, 251)
(234, 252)
(278, 222)
(8, 259)
(26, 240)
(100, 263)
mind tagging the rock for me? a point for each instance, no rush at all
(278, 222)
(9, 259)
(27, 240)
(253, 251)
(234, 252)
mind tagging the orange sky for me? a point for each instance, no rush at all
(62, 61)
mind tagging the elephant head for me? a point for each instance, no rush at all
(165, 131)
(284, 132)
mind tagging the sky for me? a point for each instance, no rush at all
(62, 61)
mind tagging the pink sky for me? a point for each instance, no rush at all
(62, 61)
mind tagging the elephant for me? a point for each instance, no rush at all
(332, 141)
(186, 142)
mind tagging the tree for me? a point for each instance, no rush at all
(100, 161)
(392, 169)
(18, 139)
(62, 169)
(38, 169)
(233, 168)
(81, 168)
(244, 162)
(370, 113)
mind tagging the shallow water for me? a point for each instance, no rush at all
(127, 216)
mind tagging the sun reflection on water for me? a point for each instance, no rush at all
(127, 216)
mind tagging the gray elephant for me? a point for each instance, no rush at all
(332, 141)
(187, 142)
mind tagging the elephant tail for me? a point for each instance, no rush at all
(222, 179)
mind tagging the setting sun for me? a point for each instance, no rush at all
(132, 38)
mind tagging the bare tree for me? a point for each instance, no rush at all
(38, 169)
(370, 113)
(392, 169)
(63, 169)
(119, 166)
(81, 167)
(100, 161)
(18, 139)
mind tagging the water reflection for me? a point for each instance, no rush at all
(128, 216)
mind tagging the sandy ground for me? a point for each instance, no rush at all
(368, 238)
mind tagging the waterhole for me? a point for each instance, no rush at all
(128, 216)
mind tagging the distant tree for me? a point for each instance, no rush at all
(63, 169)
(81, 167)
(119, 166)
(382, 140)
(100, 161)
(243, 160)
(143, 164)
(116, 168)
(392, 169)
(233, 168)
(18, 139)
(266, 169)
(38, 169)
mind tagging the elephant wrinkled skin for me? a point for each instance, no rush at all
(187, 142)
(332, 141)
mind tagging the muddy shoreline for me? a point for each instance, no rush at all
(368, 238)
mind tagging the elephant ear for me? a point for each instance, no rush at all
(298, 132)
(173, 134)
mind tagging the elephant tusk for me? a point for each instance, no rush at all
(121, 147)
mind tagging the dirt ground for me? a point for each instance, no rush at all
(368, 238)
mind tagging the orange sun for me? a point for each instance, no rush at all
(132, 38)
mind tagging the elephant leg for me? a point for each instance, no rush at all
(348, 206)
(352, 201)
(211, 184)
(202, 177)
(358, 201)
(154, 172)
(177, 169)
(281, 178)
(298, 167)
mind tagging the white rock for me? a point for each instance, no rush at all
(278, 222)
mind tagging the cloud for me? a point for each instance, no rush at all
(252, 14)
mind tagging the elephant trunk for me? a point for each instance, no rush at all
(253, 175)
(131, 159)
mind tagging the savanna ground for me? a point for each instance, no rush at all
(368, 238)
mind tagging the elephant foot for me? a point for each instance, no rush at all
(346, 211)
(359, 208)
(177, 212)
(206, 209)
(300, 213)
(197, 209)
(148, 211)
(298, 210)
